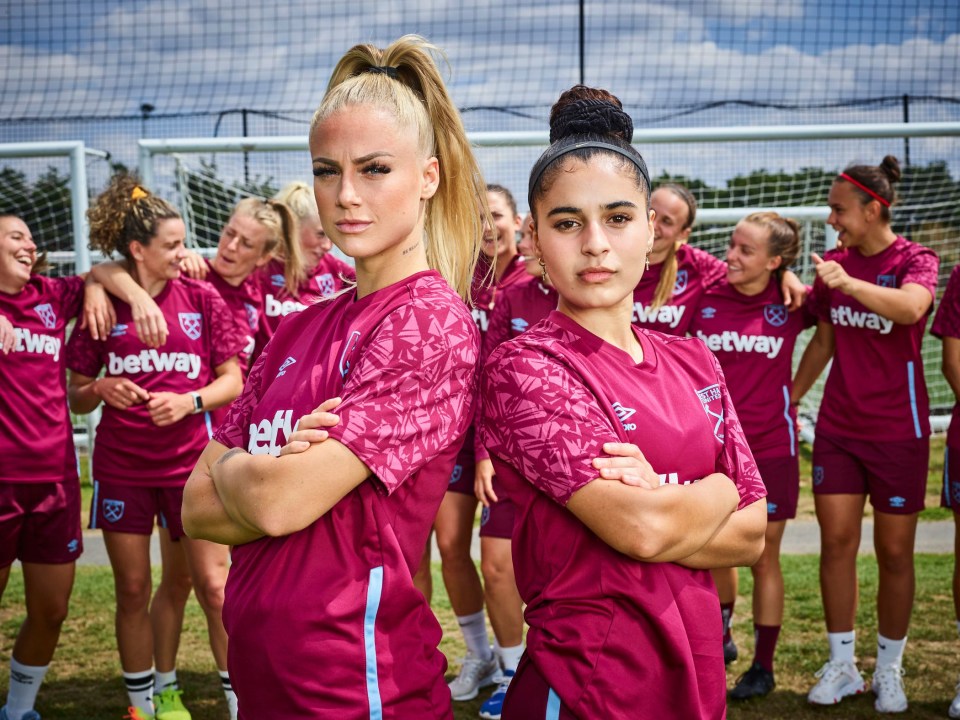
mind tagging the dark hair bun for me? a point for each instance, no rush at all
(582, 110)
(890, 167)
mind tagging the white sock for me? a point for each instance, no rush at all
(24, 685)
(889, 652)
(474, 629)
(842, 645)
(140, 690)
(509, 656)
(229, 693)
(163, 680)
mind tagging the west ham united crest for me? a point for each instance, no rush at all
(713, 405)
(680, 284)
(112, 510)
(326, 284)
(191, 324)
(253, 315)
(47, 315)
(776, 315)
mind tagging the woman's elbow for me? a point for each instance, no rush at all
(753, 528)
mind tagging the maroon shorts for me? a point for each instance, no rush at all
(497, 520)
(529, 696)
(781, 476)
(893, 474)
(40, 523)
(462, 477)
(950, 496)
(132, 509)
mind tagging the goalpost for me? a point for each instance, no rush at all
(205, 199)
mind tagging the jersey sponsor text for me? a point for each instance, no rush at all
(732, 341)
(281, 308)
(265, 435)
(37, 343)
(848, 317)
(665, 315)
(151, 360)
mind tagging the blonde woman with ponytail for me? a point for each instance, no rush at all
(329, 524)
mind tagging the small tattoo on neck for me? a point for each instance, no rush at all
(411, 248)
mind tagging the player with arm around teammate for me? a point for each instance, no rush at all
(946, 326)
(154, 425)
(871, 298)
(583, 417)
(327, 539)
(39, 483)
(743, 319)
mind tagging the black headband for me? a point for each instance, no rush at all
(387, 70)
(557, 151)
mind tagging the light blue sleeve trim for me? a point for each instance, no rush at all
(912, 380)
(553, 706)
(374, 593)
(790, 428)
(94, 504)
(206, 421)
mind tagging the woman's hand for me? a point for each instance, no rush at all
(483, 482)
(8, 336)
(149, 320)
(194, 266)
(794, 291)
(627, 465)
(98, 314)
(167, 408)
(309, 428)
(119, 392)
(833, 275)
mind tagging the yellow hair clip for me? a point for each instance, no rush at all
(138, 192)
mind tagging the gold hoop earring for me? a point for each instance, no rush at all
(543, 270)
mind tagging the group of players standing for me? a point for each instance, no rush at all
(618, 467)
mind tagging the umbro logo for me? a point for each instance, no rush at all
(898, 502)
(624, 414)
(286, 363)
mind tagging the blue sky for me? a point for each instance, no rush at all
(99, 59)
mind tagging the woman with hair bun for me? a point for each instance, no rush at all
(155, 423)
(329, 525)
(743, 319)
(585, 417)
(324, 272)
(872, 299)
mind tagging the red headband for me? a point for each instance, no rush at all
(868, 191)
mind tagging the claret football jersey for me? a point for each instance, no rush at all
(36, 439)
(339, 594)
(876, 390)
(611, 635)
(130, 449)
(947, 324)
(753, 337)
(696, 271)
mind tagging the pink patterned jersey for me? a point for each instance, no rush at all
(519, 307)
(696, 271)
(130, 449)
(875, 390)
(245, 302)
(753, 338)
(36, 440)
(946, 323)
(608, 633)
(486, 297)
(327, 278)
(339, 594)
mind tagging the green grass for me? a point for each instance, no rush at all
(84, 682)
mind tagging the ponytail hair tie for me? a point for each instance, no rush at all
(388, 70)
(138, 192)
